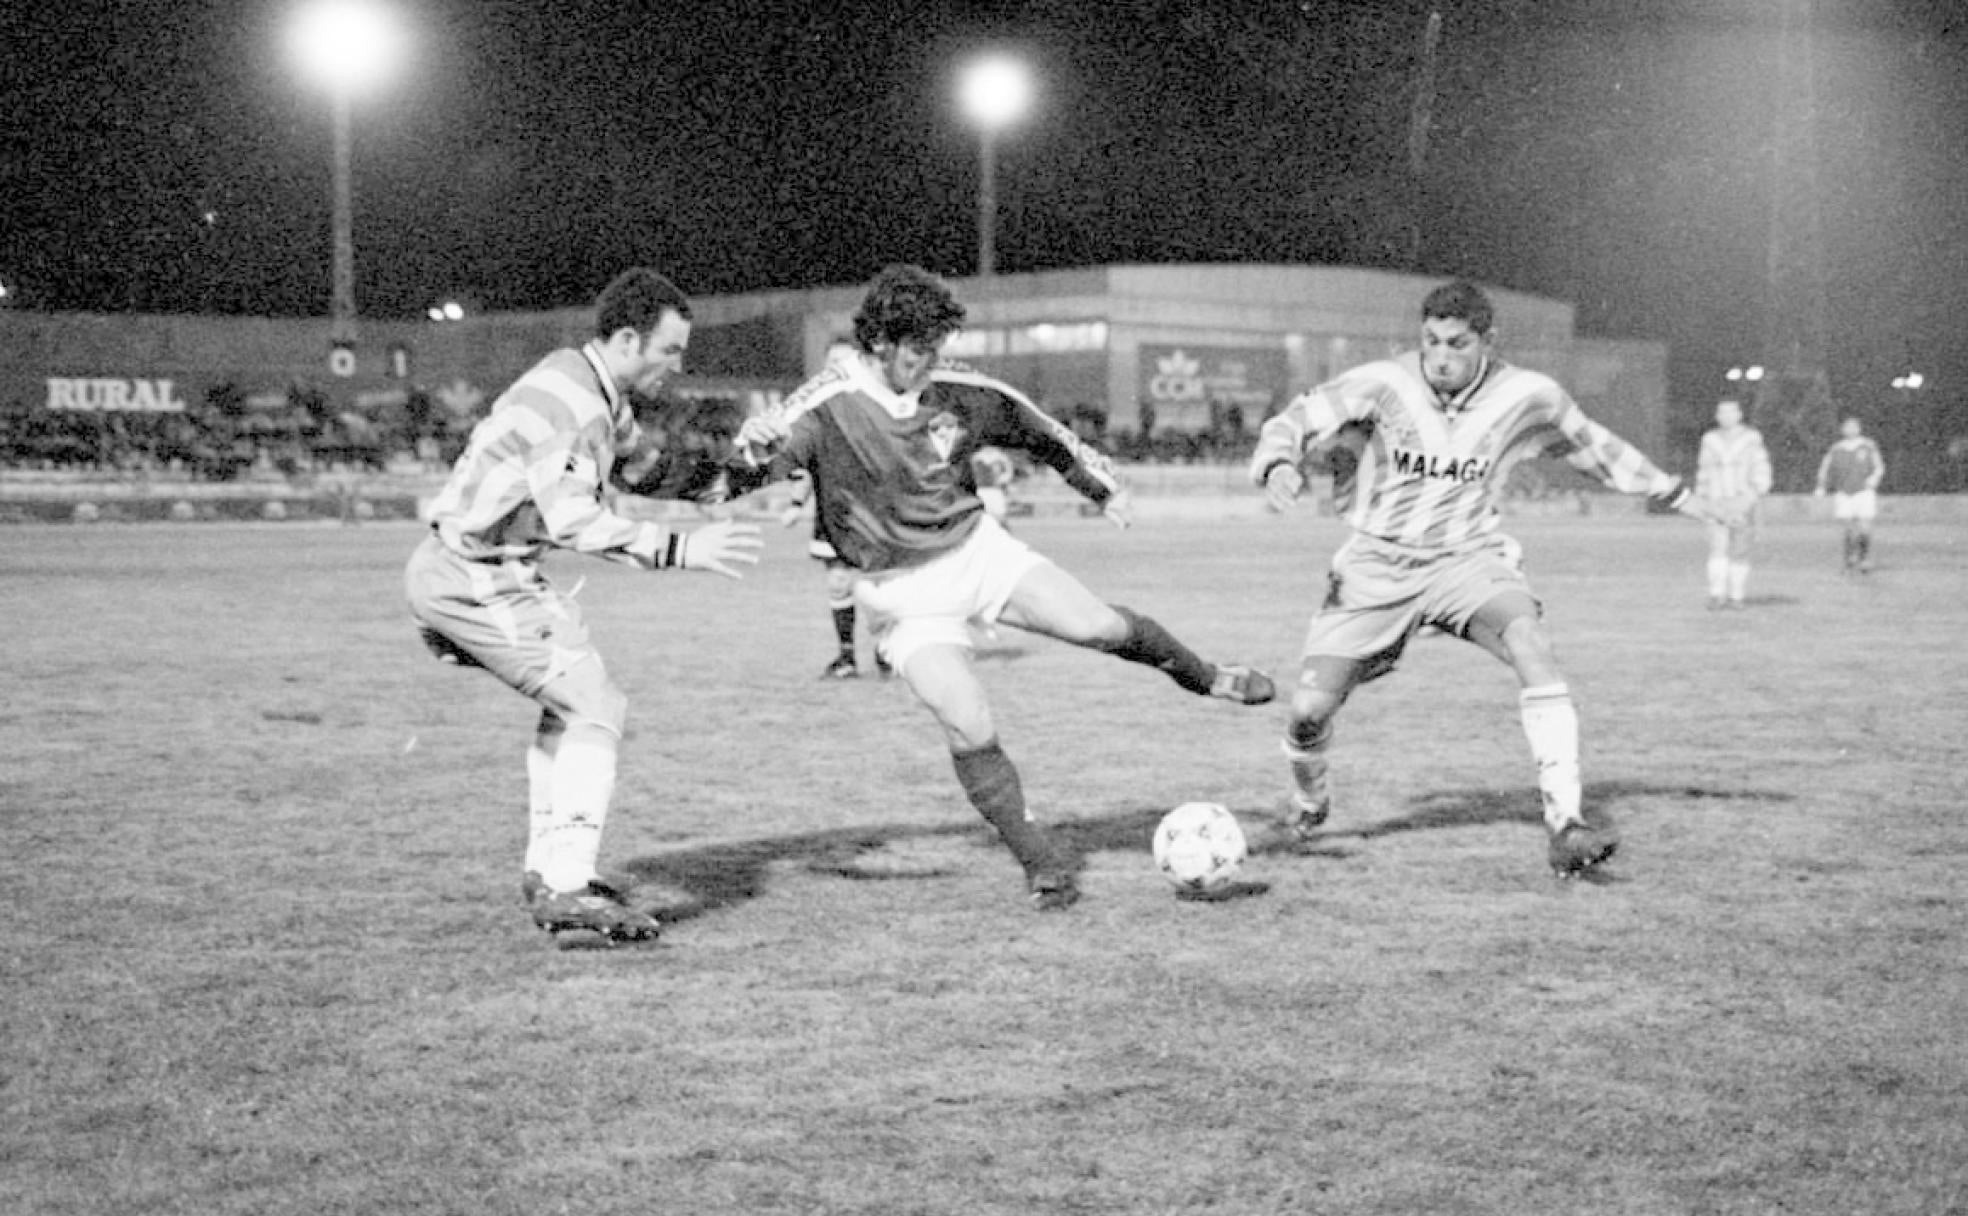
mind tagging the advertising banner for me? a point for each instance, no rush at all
(1192, 388)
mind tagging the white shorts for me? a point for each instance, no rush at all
(1859, 505)
(937, 602)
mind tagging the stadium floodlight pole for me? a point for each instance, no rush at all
(349, 46)
(996, 91)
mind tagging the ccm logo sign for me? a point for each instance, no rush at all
(96, 393)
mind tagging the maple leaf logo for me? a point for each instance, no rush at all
(1175, 363)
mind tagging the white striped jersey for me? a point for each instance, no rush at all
(531, 478)
(1851, 465)
(1734, 464)
(1431, 471)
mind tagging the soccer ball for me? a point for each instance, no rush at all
(1199, 846)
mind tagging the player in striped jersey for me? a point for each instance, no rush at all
(1852, 470)
(886, 437)
(1444, 425)
(531, 480)
(1733, 473)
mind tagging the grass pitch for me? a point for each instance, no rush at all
(264, 951)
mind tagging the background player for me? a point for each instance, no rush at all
(840, 580)
(886, 437)
(1734, 475)
(1443, 426)
(1852, 470)
(531, 480)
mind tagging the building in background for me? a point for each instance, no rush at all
(1161, 361)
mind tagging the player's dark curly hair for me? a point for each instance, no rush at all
(637, 299)
(906, 304)
(1460, 301)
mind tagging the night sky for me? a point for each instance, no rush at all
(167, 157)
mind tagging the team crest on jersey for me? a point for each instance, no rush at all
(945, 433)
(1398, 427)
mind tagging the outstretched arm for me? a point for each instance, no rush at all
(1283, 440)
(1593, 449)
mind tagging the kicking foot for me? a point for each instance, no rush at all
(842, 668)
(1244, 685)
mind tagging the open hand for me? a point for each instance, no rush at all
(722, 548)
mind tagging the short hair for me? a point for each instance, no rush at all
(906, 305)
(1460, 301)
(637, 299)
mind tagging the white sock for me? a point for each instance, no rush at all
(1551, 725)
(583, 784)
(1718, 577)
(1738, 580)
(539, 787)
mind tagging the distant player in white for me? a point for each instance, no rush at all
(1851, 471)
(531, 481)
(1733, 474)
(1442, 428)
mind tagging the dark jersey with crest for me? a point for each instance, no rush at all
(892, 485)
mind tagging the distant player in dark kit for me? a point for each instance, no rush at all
(532, 480)
(886, 437)
(1442, 425)
(1851, 471)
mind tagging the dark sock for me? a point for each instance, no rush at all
(991, 781)
(844, 628)
(1150, 644)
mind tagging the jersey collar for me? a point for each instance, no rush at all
(868, 380)
(616, 399)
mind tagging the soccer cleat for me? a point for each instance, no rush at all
(591, 918)
(617, 889)
(1053, 891)
(1244, 685)
(842, 668)
(882, 667)
(1579, 847)
(1302, 819)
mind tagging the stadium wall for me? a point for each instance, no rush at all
(1187, 350)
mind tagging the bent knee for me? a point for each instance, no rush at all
(1312, 708)
(590, 698)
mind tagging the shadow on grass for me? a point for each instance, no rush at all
(1475, 807)
(718, 876)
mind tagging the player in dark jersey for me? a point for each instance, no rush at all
(887, 437)
(1852, 471)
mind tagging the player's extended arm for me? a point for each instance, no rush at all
(1281, 446)
(1018, 422)
(1824, 470)
(1623, 467)
(1878, 466)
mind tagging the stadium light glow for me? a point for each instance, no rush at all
(1910, 380)
(450, 310)
(350, 46)
(996, 92)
